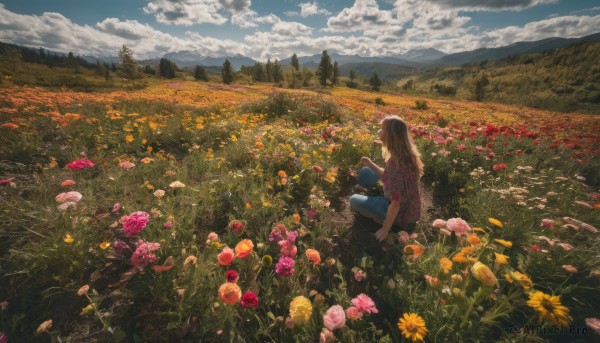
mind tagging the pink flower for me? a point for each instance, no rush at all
(569, 268)
(353, 313)
(67, 183)
(499, 166)
(548, 223)
(359, 274)
(116, 208)
(594, 324)
(334, 318)
(364, 303)
(405, 237)
(439, 223)
(67, 205)
(326, 337)
(134, 223)
(68, 196)
(458, 225)
(3, 338)
(226, 256)
(287, 248)
(212, 237)
(167, 225)
(143, 255)
(285, 266)
(6, 181)
(445, 232)
(126, 165)
(312, 213)
(80, 164)
(249, 300)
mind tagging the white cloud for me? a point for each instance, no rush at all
(490, 5)
(312, 8)
(250, 19)
(363, 15)
(235, 6)
(188, 12)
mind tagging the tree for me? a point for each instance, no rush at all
(336, 72)
(227, 72)
(375, 82)
(128, 64)
(325, 69)
(479, 85)
(259, 73)
(277, 72)
(352, 77)
(200, 74)
(269, 70)
(295, 68)
(166, 68)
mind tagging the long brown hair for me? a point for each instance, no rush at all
(398, 143)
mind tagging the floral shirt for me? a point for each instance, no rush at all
(398, 184)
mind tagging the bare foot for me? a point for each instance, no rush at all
(377, 220)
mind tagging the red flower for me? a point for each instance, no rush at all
(318, 169)
(80, 164)
(231, 276)
(236, 226)
(535, 248)
(499, 166)
(249, 300)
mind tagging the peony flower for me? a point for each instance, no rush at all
(244, 248)
(212, 237)
(226, 257)
(249, 300)
(68, 183)
(285, 266)
(287, 248)
(458, 225)
(232, 276)
(176, 184)
(230, 293)
(353, 313)
(126, 165)
(313, 256)
(80, 164)
(483, 274)
(236, 226)
(364, 303)
(159, 193)
(291, 236)
(143, 255)
(439, 223)
(134, 223)
(68, 197)
(334, 318)
(300, 310)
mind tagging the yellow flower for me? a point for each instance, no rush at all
(129, 138)
(504, 243)
(478, 229)
(69, 239)
(501, 259)
(44, 326)
(549, 307)
(104, 245)
(89, 308)
(300, 310)
(445, 264)
(520, 278)
(483, 274)
(412, 326)
(495, 222)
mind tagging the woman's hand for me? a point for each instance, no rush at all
(382, 234)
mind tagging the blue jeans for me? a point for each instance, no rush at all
(369, 206)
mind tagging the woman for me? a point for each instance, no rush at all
(400, 204)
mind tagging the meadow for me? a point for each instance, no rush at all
(203, 212)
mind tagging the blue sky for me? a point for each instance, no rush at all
(264, 29)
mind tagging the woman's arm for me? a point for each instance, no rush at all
(377, 169)
(390, 216)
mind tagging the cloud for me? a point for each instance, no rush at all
(235, 6)
(490, 5)
(250, 19)
(363, 15)
(307, 9)
(189, 12)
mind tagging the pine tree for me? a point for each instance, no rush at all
(295, 67)
(128, 64)
(375, 82)
(352, 77)
(277, 72)
(269, 70)
(335, 77)
(200, 74)
(259, 73)
(227, 72)
(325, 69)
(479, 85)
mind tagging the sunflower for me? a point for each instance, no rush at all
(549, 307)
(412, 326)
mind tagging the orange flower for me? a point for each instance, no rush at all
(230, 293)
(226, 256)
(445, 264)
(281, 174)
(296, 218)
(414, 250)
(244, 248)
(459, 258)
(313, 256)
(473, 239)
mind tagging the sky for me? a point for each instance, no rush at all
(276, 29)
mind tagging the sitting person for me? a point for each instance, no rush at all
(400, 204)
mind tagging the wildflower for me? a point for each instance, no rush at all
(326, 336)
(353, 313)
(244, 248)
(313, 256)
(267, 260)
(83, 290)
(364, 303)
(483, 274)
(69, 239)
(504, 243)
(499, 166)
(116, 208)
(433, 281)
(282, 174)
(318, 169)
(143, 254)
(67, 205)
(287, 248)
(522, 279)
(594, 324)
(412, 326)
(547, 223)
(359, 274)
(414, 250)
(232, 276)
(80, 164)
(501, 259)
(236, 226)
(89, 308)
(569, 268)
(68, 183)
(44, 326)
(212, 237)
(334, 318)
(104, 245)
(439, 223)
(226, 257)
(190, 260)
(146, 160)
(177, 184)
(4, 305)
(168, 225)
(445, 264)
(460, 257)
(249, 300)
(458, 225)
(159, 193)
(134, 223)
(300, 310)
(126, 165)
(473, 239)
(549, 307)
(285, 266)
(495, 222)
(68, 197)
(230, 293)
(296, 218)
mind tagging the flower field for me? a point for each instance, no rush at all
(218, 213)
